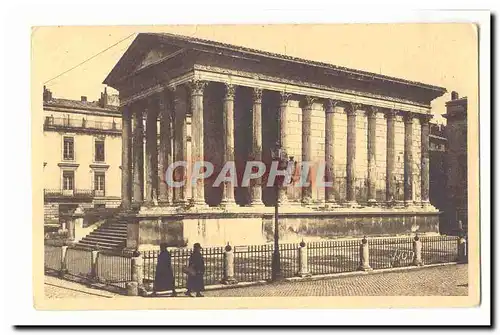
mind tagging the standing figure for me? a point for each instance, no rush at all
(196, 272)
(164, 277)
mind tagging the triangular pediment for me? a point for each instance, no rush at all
(156, 55)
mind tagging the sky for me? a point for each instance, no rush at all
(442, 54)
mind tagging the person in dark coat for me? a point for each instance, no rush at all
(195, 279)
(164, 277)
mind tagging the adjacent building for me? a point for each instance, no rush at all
(82, 154)
(456, 163)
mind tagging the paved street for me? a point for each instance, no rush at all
(442, 280)
(438, 281)
(56, 288)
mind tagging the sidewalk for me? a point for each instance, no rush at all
(448, 280)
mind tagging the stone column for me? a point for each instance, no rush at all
(408, 157)
(372, 149)
(197, 153)
(165, 149)
(256, 184)
(228, 142)
(138, 173)
(390, 183)
(330, 151)
(424, 138)
(180, 144)
(126, 156)
(152, 152)
(282, 137)
(307, 147)
(351, 109)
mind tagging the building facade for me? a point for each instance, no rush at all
(235, 103)
(82, 154)
(456, 163)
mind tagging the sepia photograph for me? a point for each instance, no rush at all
(193, 166)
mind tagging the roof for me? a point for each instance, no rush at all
(77, 104)
(213, 45)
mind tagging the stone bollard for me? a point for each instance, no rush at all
(135, 287)
(229, 266)
(93, 271)
(364, 256)
(417, 251)
(64, 268)
(462, 250)
(303, 266)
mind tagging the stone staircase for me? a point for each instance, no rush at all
(111, 235)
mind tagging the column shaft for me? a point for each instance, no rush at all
(126, 157)
(256, 184)
(152, 152)
(197, 133)
(351, 154)
(372, 161)
(408, 157)
(228, 142)
(307, 148)
(180, 143)
(282, 137)
(165, 149)
(390, 183)
(138, 183)
(424, 138)
(329, 151)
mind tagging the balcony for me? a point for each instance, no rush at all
(76, 194)
(76, 124)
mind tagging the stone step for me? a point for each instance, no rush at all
(103, 239)
(112, 229)
(102, 247)
(101, 242)
(111, 234)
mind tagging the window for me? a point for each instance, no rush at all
(99, 182)
(99, 150)
(68, 180)
(69, 149)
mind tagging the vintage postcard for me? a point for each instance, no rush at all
(256, 166)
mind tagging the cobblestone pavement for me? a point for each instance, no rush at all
(449, 280)
(56, 288)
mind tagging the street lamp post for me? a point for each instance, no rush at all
(280, 155)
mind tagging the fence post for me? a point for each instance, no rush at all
(93, 271)
(135, 286)
(303, 266)
(462, 250)
(417, 251)
(228, 266)
(364, 256)
(63, 269)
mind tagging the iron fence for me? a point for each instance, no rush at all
(333, 256)
(52, 257)
(439, 249)
(391, 252)
(113, 269)
(79, 262)
(253, 263)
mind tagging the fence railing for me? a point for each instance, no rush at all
(51, 121)
(254, 263)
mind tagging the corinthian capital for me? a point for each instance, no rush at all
(257, 95)
(229, 91)
(308, 101)
(197, 87)
(284, 98)
(425, 119)
(371, 111)
(408, 117)
(352, 107)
